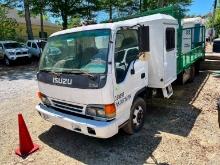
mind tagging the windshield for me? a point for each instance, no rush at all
(85, 51)
(12, 45)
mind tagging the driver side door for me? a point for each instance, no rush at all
(126, 83)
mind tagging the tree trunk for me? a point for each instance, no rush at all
(42, 21)
(42, 24)
(28, 20)
(65, 21)
(110, 12)
(140, 7)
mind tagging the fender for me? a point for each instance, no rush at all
(140, 93)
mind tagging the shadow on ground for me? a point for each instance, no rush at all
(18, 71)
(176, 115)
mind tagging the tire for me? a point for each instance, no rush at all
(7, 61)
(137, 116)
(197, 68)
(192, 73)
(180, 79)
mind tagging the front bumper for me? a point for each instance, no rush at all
(99, 129)
(19, 57)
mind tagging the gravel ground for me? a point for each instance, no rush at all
(181, 130)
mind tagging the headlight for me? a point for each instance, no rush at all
(43, 98)
(11, 53)
(106, 112)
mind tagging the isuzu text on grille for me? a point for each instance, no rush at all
(64, 81)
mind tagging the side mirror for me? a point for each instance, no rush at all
(144, 39)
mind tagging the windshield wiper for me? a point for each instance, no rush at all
(79, 71)
(51, 71)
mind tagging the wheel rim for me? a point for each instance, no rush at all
(138, 116)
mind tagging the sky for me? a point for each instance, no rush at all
(201, 7)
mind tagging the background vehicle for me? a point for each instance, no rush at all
(36, 47)
(216, 45)
(95, 79)
(12, 51)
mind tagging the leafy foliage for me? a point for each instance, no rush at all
(7, 25)
(115, 5)
(74, 22)
(64, 9)
(217, 21)
(25, 5)
(153, 4)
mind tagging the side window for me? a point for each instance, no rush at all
(126, 50)
(170, 39)
(34, 45)
(29, 44)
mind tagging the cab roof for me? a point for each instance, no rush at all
(115, 25)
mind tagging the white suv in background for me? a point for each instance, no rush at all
(11, 51)
(35, 47)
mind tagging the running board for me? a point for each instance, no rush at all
(168, 91)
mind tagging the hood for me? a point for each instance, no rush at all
(17, 50)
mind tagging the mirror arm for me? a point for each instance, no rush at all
(132, 70)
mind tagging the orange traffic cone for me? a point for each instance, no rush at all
(26, 145)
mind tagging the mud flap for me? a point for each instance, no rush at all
(168, 91)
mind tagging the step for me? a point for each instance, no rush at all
(210, 65)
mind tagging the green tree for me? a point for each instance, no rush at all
(89, 7)
(74, 21)
(25, 5)
(39, 7)
(7, 25)
(28, 19)
(153, 4)
(65, 9)
(216, 20)
(209, 21)
(115, 5)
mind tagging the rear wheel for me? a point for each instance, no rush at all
(192, 73)
(197, 68)
(137, 116)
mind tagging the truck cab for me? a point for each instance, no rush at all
(94, 79)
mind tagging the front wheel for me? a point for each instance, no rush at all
(7, 61)
(137, 116)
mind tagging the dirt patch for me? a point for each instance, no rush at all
(180, 130)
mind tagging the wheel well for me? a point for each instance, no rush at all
(142, 93)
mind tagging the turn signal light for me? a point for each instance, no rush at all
(39, 95)
(110, 110)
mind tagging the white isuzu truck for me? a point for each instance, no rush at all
(94, 79)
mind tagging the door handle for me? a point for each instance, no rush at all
(142, 75)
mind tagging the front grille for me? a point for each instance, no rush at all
(20, 53)
(67, 106)
(71, 113)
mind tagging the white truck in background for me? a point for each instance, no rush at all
(94, 79)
